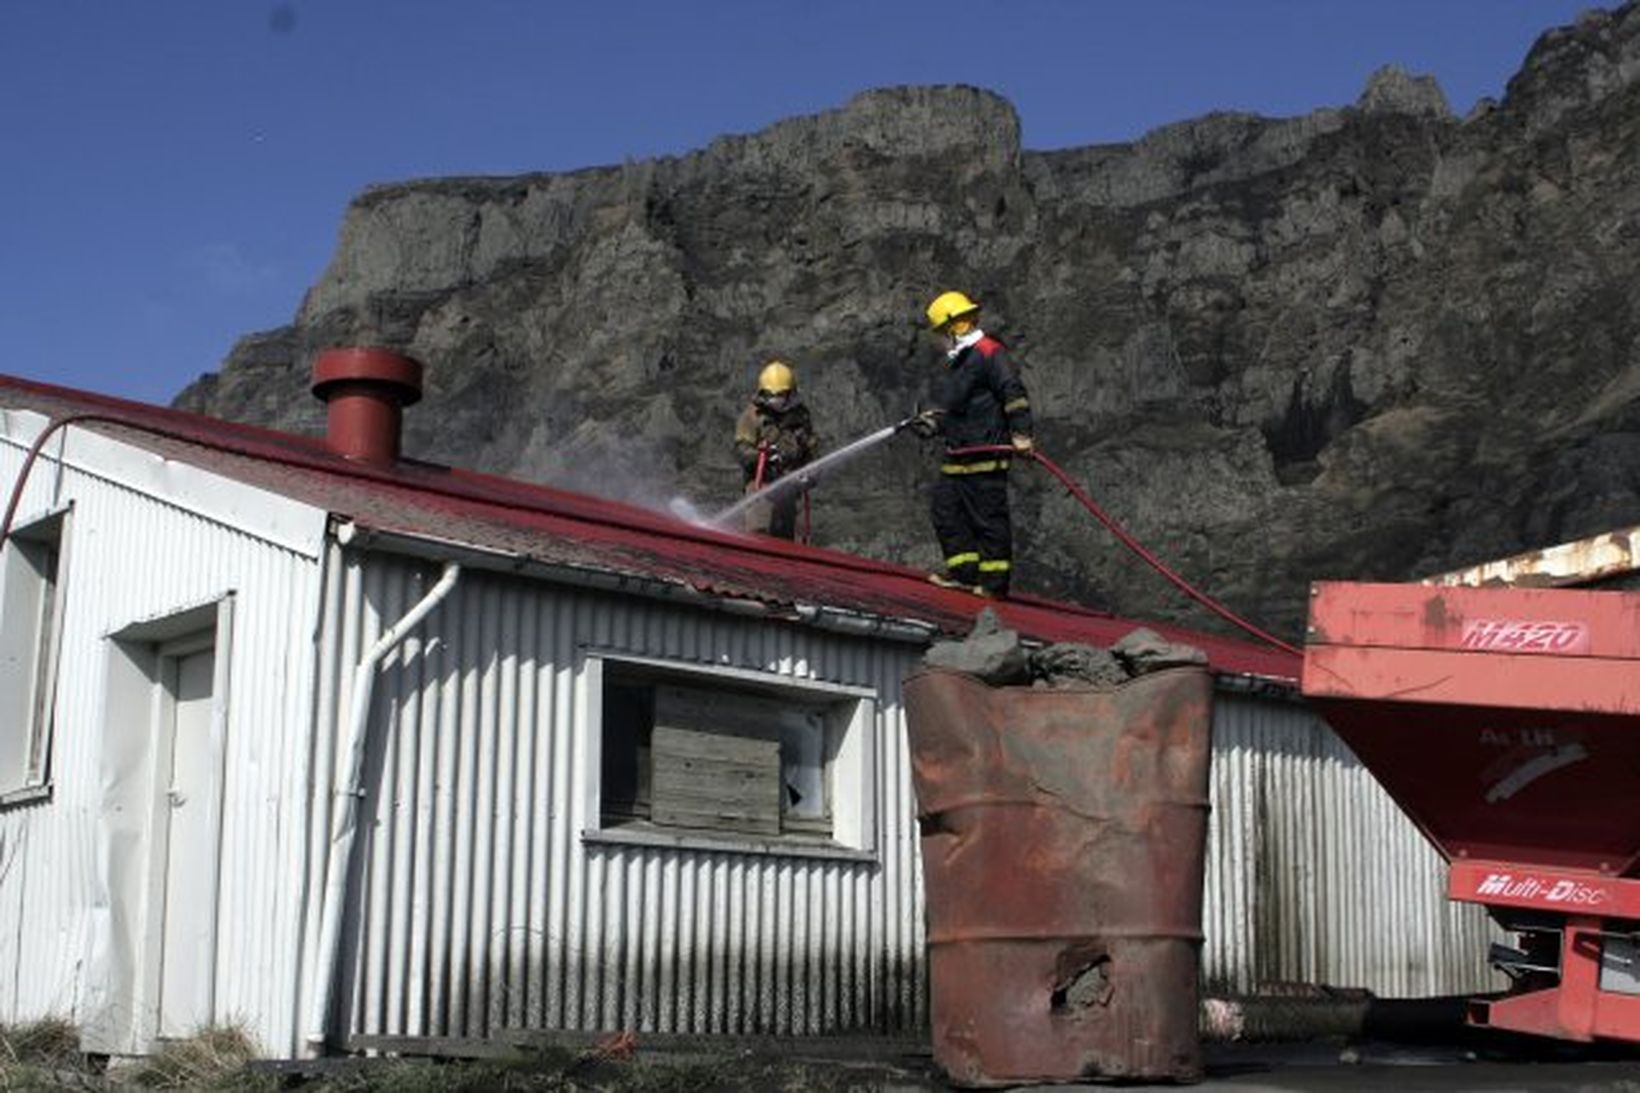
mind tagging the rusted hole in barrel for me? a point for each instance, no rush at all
(1083, 980)
(934, 825)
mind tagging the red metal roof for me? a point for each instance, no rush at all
(559, 527)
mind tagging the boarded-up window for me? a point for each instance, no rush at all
(717, 758)
(715, 781)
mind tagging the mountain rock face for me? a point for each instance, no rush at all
(1373, 342)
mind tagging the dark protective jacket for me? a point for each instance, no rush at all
(983, 400)
(780, 424)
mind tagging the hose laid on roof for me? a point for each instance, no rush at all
(1130, 542)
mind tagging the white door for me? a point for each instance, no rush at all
(187, 939)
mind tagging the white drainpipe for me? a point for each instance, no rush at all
(326, 968)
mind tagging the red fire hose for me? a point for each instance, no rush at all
(758, 483)
(1130, 542)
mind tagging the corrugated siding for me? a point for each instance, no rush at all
(131, 558)
(483, 909)
(1315, 876)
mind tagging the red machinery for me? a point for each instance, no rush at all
(1505, 721)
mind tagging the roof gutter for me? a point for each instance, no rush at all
(821, 616)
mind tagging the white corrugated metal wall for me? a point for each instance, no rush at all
(1315, 876)
(130, 557)
(484, 909)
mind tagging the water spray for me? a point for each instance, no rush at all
(806, 476)
(684, 509)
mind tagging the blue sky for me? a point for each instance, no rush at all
(173, 173)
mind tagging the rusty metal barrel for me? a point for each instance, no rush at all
(1063, 834)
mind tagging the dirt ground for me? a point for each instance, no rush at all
(857, 1066)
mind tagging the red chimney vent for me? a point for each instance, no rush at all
(366, 390)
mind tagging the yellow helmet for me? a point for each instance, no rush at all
(777, 378)
(948, 306)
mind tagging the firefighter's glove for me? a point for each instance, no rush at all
(1024, 445)
(925, 424)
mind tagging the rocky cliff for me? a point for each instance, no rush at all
(1372, 342)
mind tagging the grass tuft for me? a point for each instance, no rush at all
(212, 1058)
(50, 1041)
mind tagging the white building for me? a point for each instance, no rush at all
(204, 624)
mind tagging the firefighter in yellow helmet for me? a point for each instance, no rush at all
(774, 437)
(979, 401)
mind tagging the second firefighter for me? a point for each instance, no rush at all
(774, 438)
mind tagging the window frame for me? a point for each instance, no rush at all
(49, 530)
(851, 713)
